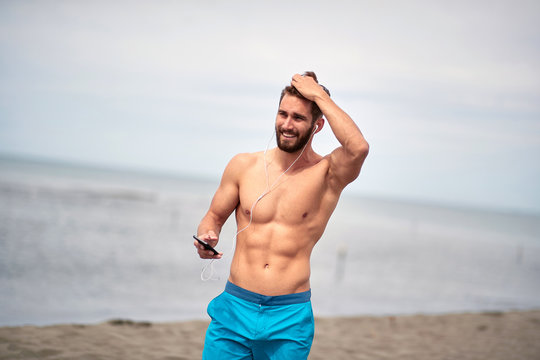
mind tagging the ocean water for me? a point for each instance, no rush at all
(84, 245)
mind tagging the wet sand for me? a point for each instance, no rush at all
(493, 336)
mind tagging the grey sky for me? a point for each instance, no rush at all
(447, 93)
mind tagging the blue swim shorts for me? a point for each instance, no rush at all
(247, 325)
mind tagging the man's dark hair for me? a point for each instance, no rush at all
(291, 90)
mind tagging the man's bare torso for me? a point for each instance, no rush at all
(273, 254)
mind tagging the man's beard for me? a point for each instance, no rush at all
(301, 141)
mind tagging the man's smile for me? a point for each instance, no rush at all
(288, 135)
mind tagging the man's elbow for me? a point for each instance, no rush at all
(360, 150)
(364, 149)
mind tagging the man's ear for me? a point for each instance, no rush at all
(318, 125)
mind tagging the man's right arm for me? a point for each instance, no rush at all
(223, 204)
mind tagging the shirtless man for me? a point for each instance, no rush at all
(265, 310)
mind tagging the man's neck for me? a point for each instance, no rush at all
(284, 159)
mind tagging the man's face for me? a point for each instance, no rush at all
(294, 124)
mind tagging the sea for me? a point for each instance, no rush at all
(82, 244)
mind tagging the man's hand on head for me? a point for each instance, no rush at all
(308, 87)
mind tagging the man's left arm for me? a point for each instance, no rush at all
(345, 161)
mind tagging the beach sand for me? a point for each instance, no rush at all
(495, 335)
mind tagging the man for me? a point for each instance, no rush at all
(283, 199)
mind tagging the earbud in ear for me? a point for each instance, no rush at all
(316, 127)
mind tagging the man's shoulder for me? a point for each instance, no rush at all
(246, 157)
(244, 160)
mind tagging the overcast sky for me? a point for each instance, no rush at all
(446, 92)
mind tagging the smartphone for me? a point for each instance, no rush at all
(206, 245)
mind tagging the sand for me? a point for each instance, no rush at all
(497, 335)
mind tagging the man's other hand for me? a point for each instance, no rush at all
(212, 239)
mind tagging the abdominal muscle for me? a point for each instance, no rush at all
(273, 260)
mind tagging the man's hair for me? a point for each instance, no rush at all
(316, 113)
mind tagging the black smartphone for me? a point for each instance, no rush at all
(206, 245)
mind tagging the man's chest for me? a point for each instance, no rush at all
(291, 198)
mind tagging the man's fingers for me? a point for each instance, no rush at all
(200, 249)
(210, 255)
(210, 237)
(206, 254)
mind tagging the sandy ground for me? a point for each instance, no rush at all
(504, 336)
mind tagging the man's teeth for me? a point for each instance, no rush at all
(288, 135)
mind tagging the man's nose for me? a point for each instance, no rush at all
(287, 124)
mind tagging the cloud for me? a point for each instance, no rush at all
(437, 87)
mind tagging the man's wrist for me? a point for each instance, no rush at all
(321, 98)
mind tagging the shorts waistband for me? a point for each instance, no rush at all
(289, 299)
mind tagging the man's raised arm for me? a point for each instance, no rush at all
(345, 161)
